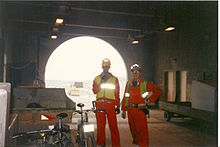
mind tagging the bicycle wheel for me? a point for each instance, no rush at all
(80, 137)
(68, 143)
(90, 140)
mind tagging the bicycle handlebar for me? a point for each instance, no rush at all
(23, 134)
(89, 110)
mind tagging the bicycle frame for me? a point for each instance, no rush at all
(85, 130)
(41, 136)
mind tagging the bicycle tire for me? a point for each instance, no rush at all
(68, 143)
(65, 144)
(90, 140)
(81, 137)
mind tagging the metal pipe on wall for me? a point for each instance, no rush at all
(4, 68)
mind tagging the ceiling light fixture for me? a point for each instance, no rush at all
(132, 40)
(59, 20)
(53, 36)
(170, 28)
(135, 42)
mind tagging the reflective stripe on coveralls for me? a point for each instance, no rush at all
(143, 88)
(107, 89)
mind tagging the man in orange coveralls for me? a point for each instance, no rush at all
(106, 88)
(135, 98)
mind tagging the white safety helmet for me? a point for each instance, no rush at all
(135, 67)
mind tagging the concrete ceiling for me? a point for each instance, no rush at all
(99, 18)
(108, 19)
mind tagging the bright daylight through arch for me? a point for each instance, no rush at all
(75, 63)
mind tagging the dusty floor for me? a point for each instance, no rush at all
(178, 132)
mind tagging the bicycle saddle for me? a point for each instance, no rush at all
(61, 115)
(80, 105)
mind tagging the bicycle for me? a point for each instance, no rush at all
(85, 131)
(57, 136)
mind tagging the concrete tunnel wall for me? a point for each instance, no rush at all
(40, 98)
(192, 47)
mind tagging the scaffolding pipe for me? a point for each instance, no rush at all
(4, 70)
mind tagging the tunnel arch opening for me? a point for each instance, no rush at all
(74, 64)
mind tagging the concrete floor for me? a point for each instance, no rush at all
(177, 133)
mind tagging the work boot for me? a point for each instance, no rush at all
(101, 145)
(134, 142)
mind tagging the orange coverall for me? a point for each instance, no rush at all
(136, 118)
(109, 107)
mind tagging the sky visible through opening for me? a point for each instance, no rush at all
(79, 60)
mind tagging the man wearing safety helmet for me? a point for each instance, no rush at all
(137, 93)
(106, 88)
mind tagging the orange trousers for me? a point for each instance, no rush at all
(138, 126)
(109, 107)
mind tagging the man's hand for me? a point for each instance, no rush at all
(147, 101)
(104, 76)
(117, 109)
(123, 115)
